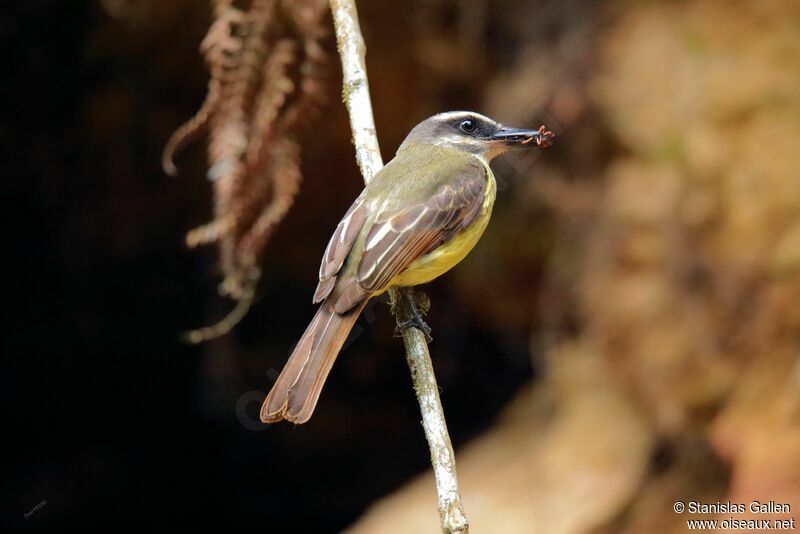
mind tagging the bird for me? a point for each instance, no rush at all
(419, 216)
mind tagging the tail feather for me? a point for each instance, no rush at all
(294, 395)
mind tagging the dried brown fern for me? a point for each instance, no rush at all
(265, 58)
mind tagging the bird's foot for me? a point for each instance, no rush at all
(415, 322)
(419, 304)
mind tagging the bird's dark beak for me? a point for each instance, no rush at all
(519, 137)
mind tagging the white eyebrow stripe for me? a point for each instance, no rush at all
(464, 114)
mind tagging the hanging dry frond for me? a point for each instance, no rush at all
(265, 58)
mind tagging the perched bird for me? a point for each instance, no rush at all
(418, 217)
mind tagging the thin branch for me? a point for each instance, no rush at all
(355, 88)
(356, 97)
(442, 457)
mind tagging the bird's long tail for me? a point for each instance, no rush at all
(295, 393)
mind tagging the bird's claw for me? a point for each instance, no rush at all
(418, 303)
(414, 322)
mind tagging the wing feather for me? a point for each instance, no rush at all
(395, 230)
(339, 247)
(397, 238)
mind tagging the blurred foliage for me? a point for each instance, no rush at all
(265, 60)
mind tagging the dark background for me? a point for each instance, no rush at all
(110, 418)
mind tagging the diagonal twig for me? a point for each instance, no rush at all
(359, 106)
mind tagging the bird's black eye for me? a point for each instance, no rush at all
(468, 125)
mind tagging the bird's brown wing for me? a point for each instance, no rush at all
(339, 247)
(399, 236)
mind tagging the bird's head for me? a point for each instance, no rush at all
(475, 133)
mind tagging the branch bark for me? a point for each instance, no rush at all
(355, 94)
(355, 87)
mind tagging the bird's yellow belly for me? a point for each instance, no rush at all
(446, 256)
